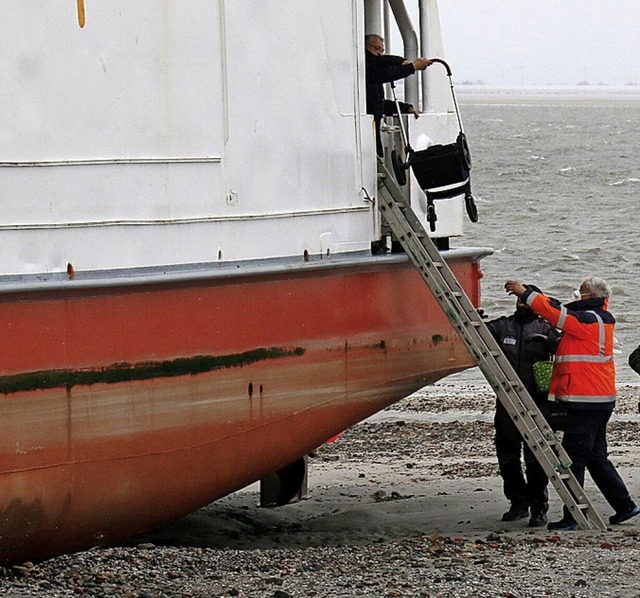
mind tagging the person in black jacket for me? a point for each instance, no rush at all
(380, 69)
(634, 360)
(524, 338)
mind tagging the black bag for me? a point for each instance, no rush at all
(442, 171)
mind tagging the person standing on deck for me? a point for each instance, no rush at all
(381, 68)
(524, 338)
(584, 377)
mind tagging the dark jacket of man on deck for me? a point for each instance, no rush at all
(380, 69)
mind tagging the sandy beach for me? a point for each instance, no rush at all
(406, 504)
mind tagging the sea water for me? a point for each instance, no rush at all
(556, 177)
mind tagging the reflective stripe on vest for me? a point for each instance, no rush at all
(601, 357)
(601, 327)
(581, 398)
(563, 317)
(586, 358)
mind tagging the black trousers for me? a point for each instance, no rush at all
(585, 440)
(510, 445)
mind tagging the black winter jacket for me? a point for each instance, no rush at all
(380, 70)
(516, 335)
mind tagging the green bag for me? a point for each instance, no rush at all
(542, 374)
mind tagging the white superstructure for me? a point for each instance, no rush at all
(187, 132)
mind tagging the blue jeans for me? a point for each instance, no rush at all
(585, 440)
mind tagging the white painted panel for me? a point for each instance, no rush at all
(292, 105)
(92, 248)
(126, 85)
(121, 141)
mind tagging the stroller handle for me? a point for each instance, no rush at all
(442, 62)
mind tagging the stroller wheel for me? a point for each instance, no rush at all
(472, 210)
(398, 168)
(431, 217)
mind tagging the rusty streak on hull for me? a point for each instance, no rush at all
(84, 464)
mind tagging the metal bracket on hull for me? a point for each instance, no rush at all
(486, 351)
(286, 485)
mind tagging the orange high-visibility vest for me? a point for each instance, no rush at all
(584, 370)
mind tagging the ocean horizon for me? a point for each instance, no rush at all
(476, 92)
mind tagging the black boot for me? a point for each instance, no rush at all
(517, 510)
(538, 517)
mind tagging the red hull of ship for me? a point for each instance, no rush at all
(124, 408)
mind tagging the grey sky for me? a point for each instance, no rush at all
(542, 42)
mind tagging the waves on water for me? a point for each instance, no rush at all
(556, 186)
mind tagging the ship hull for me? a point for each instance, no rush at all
(125, 407)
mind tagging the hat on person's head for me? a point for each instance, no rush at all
(520, 302)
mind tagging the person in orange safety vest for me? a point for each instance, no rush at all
(584, 378)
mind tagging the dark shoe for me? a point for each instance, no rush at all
(564, 525)
(620, 517)
(538, 519)
(516, 511)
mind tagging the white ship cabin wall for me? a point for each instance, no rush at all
(146, 134)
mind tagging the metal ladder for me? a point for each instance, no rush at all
(535, 430)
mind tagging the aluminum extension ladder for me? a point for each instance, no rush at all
(535, 430)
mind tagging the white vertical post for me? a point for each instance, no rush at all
(373, 17)
(410, 41)
(434, 97)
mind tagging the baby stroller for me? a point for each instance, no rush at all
(442, 171)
